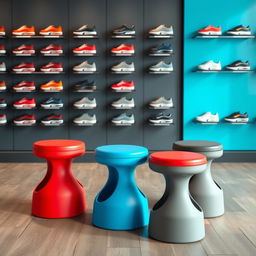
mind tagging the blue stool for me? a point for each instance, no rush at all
(121, 205)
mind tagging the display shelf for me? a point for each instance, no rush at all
(3, 124)
(122, 72)
(23, 91)
(160, 36)
(83, 124)
(225, 36)
(38, 36)
(160, 54)
(37, 73)
(123, 91)
(224, 71)
(3, 72)
(3, 37)
(123, 36)
(122, 54)
(23, 108)
(55, 91)
(160, 72)
(24, 125)
(51, 108)
(86, 36)
(125, 125)
(23, 54)
(3, 55)
(121, 108)
(51, 125)
(84, 91)
(85, 54)
(160, 108)
(83, 108)
(161, 124)
(208, 123)
(3, 107)
(224, 122)
(52, 54)
(2, 91)
(85, 72)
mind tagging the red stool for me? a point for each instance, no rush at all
(59, 195)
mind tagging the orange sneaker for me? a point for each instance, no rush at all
(52, 86)
(51, 31)
(24, 31)
(2, 31)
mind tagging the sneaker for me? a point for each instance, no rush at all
(3, 103)
(52, 67)
(161, 119)
(25, 120)
(52, 103)
(52, 86)
(161, 102)
(85, 30)
(85, 86)
(162, 49)
(85, 103)
(161, 67)
(85, 67)
(24, 49)
(123, 86)
(85, 48)
(2, 86)
(239, 66)
(25, 103)
(24, 31)
(161, 30)
(210, 30)
(3, 119)
(210, 66)
(85, 119)
(240, 31)
(2, 31)
(123, 119)
(2, 67)
(24, 67)
(51, 31)
(123, 67)
(2, 49)
(124, 30)
(52, 120)
(208, 117)
(24, 86)
(237, 117)
(123, 103)
(52, 49)
(123, 49)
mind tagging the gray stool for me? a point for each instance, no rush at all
(203, 188)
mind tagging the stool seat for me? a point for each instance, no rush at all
(197, 146)
(177, 158)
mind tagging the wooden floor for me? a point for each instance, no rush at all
(24, 235)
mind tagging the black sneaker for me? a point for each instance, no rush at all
(237, 117)
(240, 31)
(85, 30)
(85, 86)
(239, 66)
(161, 119)
(124, 30)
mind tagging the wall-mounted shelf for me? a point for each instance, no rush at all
(122, 54)
(24, 54)
(119, 125)
(3, 37)
(24, 108)
(84, 124)
(51, 125)
(24, 125)
(224, 37)
(35, 37)
(37, 73)
(160, 72)
(50, 91)
(3, 55)
(122, 108)
(3, 124)
(84, 91)
(85, 54)
(123, 91)
(123, 36)
(160, 108)
(228, 123)
(23, 91)
(160, 36)
(122, 72)
(85, 72)
(3, 72)
(83, 108)
(161, 124)
(160, 54)
(52, 54)
(223, 71)
(87, 36)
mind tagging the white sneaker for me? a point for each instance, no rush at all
(208, 117)
(210, 65)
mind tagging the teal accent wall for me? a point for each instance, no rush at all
(223, 93)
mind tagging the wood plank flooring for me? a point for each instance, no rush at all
(24, 235)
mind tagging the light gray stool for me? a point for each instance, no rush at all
(176, 217)
(207, 193)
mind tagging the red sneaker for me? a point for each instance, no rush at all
(210, 30)
(85, 48)
(24, 49)
(24, 86)
(123, 49)
(123, 85)
(25, 103)
(2, 86)
(24, 67)
(52, 49)
(52, 67)
(2, 49)
(25, 120)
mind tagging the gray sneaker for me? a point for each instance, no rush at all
(162, 103)
(2, 67)
(85, 103)
(161, 30)
(162, 67)
(85, 67)
(123, 119)
(85, 119)
(123, 103)
(123, 67)
(3, 119)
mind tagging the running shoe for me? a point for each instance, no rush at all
(123, 67)
(24, 49)
(24, 67)
(210, 31)
(123, 49)
(124, 103)
(25, 120)
(85, 48)
(2, 86)
(162, 67)
(123, 119)
(52, 86)
(85, 103)
(25, 103)
(161, 119)
(85, 86)
(2, 49)
(3, 119)
(2, 31)
(239, 66)
(52, 103)
(161, 30)
(124, 30)
(162, 103)
(123, 86)
(52, 120)
(51, 31)
(52, 67)
(162, 49)
(24, 86)
(3, 103)
(208, 117)
(85, 67)
(52, 49)
(237, 117)
(240, 31)
(2, 67)
(24, 31)
(85, 119)
(210, 66)
(85, 30)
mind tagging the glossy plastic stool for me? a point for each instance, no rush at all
(203, 188)
(176, 218)
(59, 195)
(120, 205)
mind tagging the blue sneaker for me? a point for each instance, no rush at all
(162, 49)
(52, 103)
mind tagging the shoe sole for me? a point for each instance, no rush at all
(2, 52)
(24, 52)
(3, 122)
(123, 70)
(239, 68)
(52, 52)
(84, 122)
(123, 106)
(240, 33)
(24, 33)
(24, 89)
(52, 122)
(52, 70)
(49, 106)
(3, 105)
(210, 33)
(51, 33)
(84, 70)
(94, 33)
(237, 120)
(24, 106)
(3, 89)
(85, 52)
(25, 122)
(123, 88)
(123, 122)
(24, 70)
(161, 106)
(161, 33)
(52, 89)
(123, 52)
(84, 106)
(161, 121)
(161, 70)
